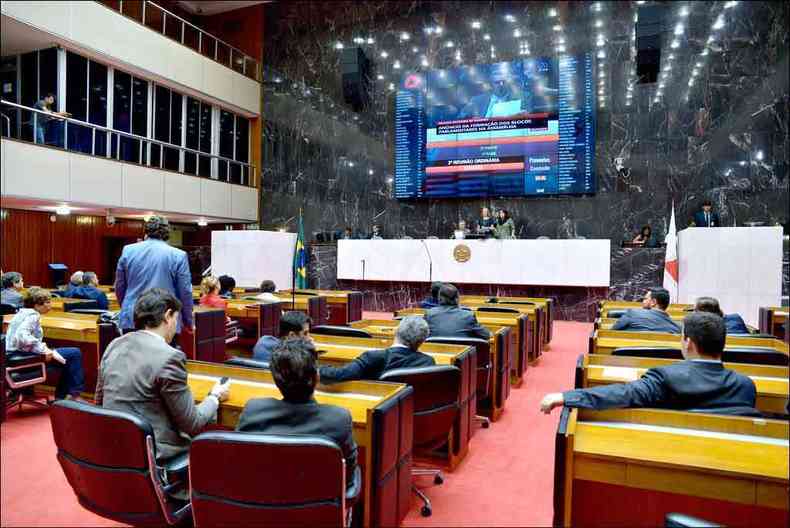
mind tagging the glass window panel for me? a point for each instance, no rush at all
(48, 83)
(191, 37)
(176, 111)
(226, 121)
(222, 170)
(173, 28)
(139, 106)
(242, 138)
(192, 134)
(122, 103)
(80, 138)
(223, 54)
(9, 92)
(205, 128)
(161, 113)
(153, 17)
(235, 173)
(28, 91)
(204, 167)
(97, 104)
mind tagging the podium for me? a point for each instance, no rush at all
(740, 266)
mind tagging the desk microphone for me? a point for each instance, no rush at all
(430, 260)
(363, 269)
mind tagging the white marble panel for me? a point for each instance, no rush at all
(36, 172)
(96, 180)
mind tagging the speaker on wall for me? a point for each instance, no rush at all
(355, 72)
(649, 32)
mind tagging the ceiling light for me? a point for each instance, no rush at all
(561, 48)
(449, 44)
(679, 29)
(601, 74)
(557, 27)
(728, 5)
(389, 180)
(370, 172)
(640, 2)
(601, 92)
(359, 40)
(684, 11)
(628, 103)
(517, 33)
(63, 210)
(629, 95)
(396, 65)
(415, 49)
(661, 86)
(475, 24)
(424, 62)
(698, 64)
(675, 44)
(552, 12)
(384, 55)
(351, 163)
(561, 40)
(759, 156)
(711, 39)
(438, 30)
(202, 222)
(671, 56)
(695, 72)
(486, 37)
(405, 36)
(601, 54)
(691, 82)
(380, 77)
(370, 40)
(704, 52)
(600, 43)
(719, 22)
(599, 23)
(668, 67)
(338, 45)
(596, 6)
(510, 18)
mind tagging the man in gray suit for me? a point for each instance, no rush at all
(448, 320)
(153, 263)
(142, 374)
(652, 317)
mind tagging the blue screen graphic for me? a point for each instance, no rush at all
(520, 128)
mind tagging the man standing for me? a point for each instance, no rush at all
(42, 121)
(153, 263)
(706, 217)
(652, 317)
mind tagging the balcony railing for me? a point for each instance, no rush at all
(45, 128)
(173, 26)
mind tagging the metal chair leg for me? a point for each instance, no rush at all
(484, 422)
(426, 509)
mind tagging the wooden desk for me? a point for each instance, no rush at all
(338, 351)
(774, 321)
(66, 304)
(500, 347)
(313, 306)
(382, 415)
(546, 303)
(523, 335)
(537, 315)
(63, 329)
(258, 318)
(112, 302)
(771, 381)
(630, 467)
(344, 306)
(673, 309)
(605, 341)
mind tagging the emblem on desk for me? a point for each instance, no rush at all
(462, 253)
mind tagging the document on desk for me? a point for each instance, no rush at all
(620, 373)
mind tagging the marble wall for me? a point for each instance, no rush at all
(725, 138)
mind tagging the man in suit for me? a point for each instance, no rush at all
(433, 300)
(404, 353)
(295, 373)
(74, 282)
(292, 324)
(652, 317)
(706, 217)
(12, 287)
(733, 322)
(153, 263)
(90, 290)
(448, 320)
(700, 382)
(501, 100)
(142, 374)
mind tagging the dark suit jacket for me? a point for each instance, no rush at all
(699, 219)
(268, 415)
(703, 385)
(91, 293)
(642, 320)
(452, 321)
(735, 324)
(373, 363)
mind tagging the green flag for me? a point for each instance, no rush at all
(300, 258)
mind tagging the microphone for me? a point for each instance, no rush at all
(430, 260)
(363, 269)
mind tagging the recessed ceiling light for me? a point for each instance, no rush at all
(63, 210)
(359, 40)
(380, 77)
(561, 40)
(424, 62)
(370, 40)
(405, 36)
(704, 52)
(730, 4)
(684, 11)
(596, 6)
(391, 87)
(486, 37)
(601, 54)
(759, 156)
(384, 55)
(415, 49)
(438, 30)
(600, 43)
(599, 23)
(561, 48)
(202, 222)
(475, 24)
(449, 44)
(552, 12)
(719, 22)
(675, 44)
(338, 45)
(510, 18)
(679, 29)
(517, 33)
(557, 27)
(396, 65)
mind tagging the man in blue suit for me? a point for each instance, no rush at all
(652, 317)
(706, 217)
(699, 382)
(153, 263)
(733, 322)
(90, 290)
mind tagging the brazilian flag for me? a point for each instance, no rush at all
(300, 258)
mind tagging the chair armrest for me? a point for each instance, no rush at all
(679, 520)
(352, 492)
(247, 362)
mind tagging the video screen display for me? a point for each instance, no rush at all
(520, 128)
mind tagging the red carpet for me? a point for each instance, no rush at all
(506, 480)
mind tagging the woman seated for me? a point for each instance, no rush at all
(645, 237)
(210, 287)
(25, 336)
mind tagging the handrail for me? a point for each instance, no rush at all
(201, 32)
(130, 135)
(8, 122)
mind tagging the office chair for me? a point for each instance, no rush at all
(679, 520)
(649, 352)
(229, 487)
(7, 309)
(109, 459)
(484, 367)
(755, 355)
(20, 373)
(437, 402)
(340, 331)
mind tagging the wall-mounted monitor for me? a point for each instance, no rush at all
(520, 128)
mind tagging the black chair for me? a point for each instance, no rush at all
(90, 311)
(527, 303)
(649, 352)
(497, 309)
(81, 305)
(7, 309)
(278, 480)
(484, 366)
(109, 458)
(679, 520)
(247, 362)
(615, 314)
(340, 331)
(21, 373)
(756, 355)
(437, 402)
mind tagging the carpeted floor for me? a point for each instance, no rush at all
(506, 480)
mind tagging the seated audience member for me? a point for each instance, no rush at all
(74, 282)
(700, 382)
(733, 322)
(90, 290)
(292, 324)
(267, 292)
(226, 285)
(295, 373)
(404, 353)
(645, 237)
(448, 320)
(209, 288)
(140, 373)
(652, 317)
(433, 300)
(25, 336)
(11, 294)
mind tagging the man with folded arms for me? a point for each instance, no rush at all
(699, 383)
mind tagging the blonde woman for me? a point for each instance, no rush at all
(210, 289)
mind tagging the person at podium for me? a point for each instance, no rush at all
(505, 228)
(706, 217)
(487, 223)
